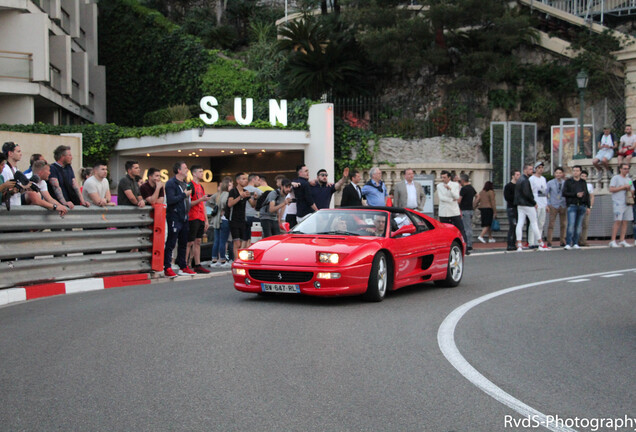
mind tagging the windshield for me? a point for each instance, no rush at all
(344, 222)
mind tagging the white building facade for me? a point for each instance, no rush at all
(49, 68)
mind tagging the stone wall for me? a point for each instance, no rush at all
(430, 150)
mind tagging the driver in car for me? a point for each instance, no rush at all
(379, 226)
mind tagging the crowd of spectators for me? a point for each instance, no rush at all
(246, 199)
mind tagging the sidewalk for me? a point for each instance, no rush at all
(479, 247)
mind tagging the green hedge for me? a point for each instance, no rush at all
(150, 62)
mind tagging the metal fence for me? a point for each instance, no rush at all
(38, 246)
(593, 9)
(407, 118)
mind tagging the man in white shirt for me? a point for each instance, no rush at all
(606, 145)
(409, 193)
(539, 187)
(621, 186)
(626, 146)
(96, 189)
(448, 195)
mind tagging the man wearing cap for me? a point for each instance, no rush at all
(606, 146)
(539, 188)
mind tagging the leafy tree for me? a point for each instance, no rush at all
(323, 56)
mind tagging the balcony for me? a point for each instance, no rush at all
(590, 9)
(16, 65)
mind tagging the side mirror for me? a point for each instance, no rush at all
(406, 229)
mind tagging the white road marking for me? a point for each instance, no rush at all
(613, 275)
(446, 342)
(579, 280)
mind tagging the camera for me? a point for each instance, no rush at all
(21, 182)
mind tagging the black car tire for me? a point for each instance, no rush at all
(379, 279)
(455, 269)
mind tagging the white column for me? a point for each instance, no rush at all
(320, 152)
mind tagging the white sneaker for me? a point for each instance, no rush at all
(481, 239)
(625, 244)
(214, 264)
(576, 247)
(543, 248)
(226, 264)
(613, 244)
(567, 247)
(492, 240)
(519, 249)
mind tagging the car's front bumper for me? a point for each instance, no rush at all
(353, 279)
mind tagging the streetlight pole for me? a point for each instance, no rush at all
(581, 83)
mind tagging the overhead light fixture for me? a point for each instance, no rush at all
(148, 154)
(222, 151)
(231, 151)
(179, 151)
(244, 152)
(263, 150)
(202, 150)
(243, 149)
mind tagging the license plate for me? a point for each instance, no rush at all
(280, 288)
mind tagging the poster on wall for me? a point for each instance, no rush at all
(428, 184)
(565, 147)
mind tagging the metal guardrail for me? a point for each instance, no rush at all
(38, 246)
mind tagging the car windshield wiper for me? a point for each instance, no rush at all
(339, 233)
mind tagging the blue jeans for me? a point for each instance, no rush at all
(512, 227)
(467, 219)
(575, 223)
(221, 235)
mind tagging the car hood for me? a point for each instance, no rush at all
(302, 249)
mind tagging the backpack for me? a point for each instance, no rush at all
(261, 200)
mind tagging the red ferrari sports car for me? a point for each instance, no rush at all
(353, 251)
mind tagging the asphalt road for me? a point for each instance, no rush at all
(199, 356)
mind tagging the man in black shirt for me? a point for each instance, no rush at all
(577, 199)
(304, 201)
(466, 198)
(235, 213)
(511, 209)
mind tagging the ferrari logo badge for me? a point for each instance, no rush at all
(280, 276)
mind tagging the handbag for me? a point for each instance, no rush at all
(215, 210)
(495, 226)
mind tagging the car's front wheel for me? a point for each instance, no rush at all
(379, 279)
(455, 269)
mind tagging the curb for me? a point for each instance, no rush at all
(32, 292)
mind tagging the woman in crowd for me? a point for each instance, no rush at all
(488, 208)
(220, 224)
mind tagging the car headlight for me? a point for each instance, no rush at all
(246, 255)
(328, 258)
(239, 271)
